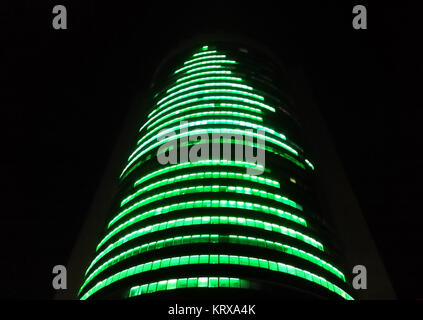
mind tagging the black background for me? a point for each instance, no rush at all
(65, 93)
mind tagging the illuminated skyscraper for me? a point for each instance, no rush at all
(212, 227)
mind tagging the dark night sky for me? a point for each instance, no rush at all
(65, 95)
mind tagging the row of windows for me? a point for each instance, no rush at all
(216, 99)
(207, 220)
(204, 204)
(198, 282)
(197, 107)
(199, 123)
(184, 165)
(203, 115)
(217, 259)
(239, 123)
(233, 94)
(130, 168)
(199, 80)
(180, 126)
(206, 189)
(212, 238)
(213, 84)
(208, 57)
(202, 175)
(204, 63)
(208, 131)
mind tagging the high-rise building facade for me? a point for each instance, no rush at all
(217, 197)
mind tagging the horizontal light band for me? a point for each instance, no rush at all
(209, 91)
(205, 68)
(200, 282)
(233, 204)
(246, 124)
(180, 166)
(205, 85)
(249, 143)
(211, 220)
(202, 80)
(203, 74)
(199, 107)
(218, 259)
(202, 175)
(221, 131)
(206, 189)
(218, 98)
(212, 238)
(309, 164)
(183, 283)
(209, 57)
(218, 61)
(204, 53)
(201, 115)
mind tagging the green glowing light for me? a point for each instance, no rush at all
(230, 98)
(203, 74)
(202, 175)
(214, 239)
(204, 85)
(209, 91)
(210, 220)
(211, 57)
(204, 79)
(204, 53)
(230, 131)
(201, 115)
(195, 107)
(205, 68)
(201, 163)
(217, 259)
(208, 188)
(233, 204)
(198, 282)
(248, 125)
(219, 61)
(309, 164)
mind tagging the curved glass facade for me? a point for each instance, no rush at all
(191, 216)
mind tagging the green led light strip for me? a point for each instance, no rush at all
(202, 74)
(197, 282)
(210, 91)
(205, 189)
(204, 53)
(210, 113)
(197, 107)
(212, 238)
(181, 166)
(205, 68)
(205, 85)
(202, 175)
(233, 204)
(217, 259)
(309, 164)
(219, 61)
(211, 57)
(230, 98)
(267, 148)
(206, 131)
(248, 125)
(204, 79)
(203, 114)
(205, 220)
